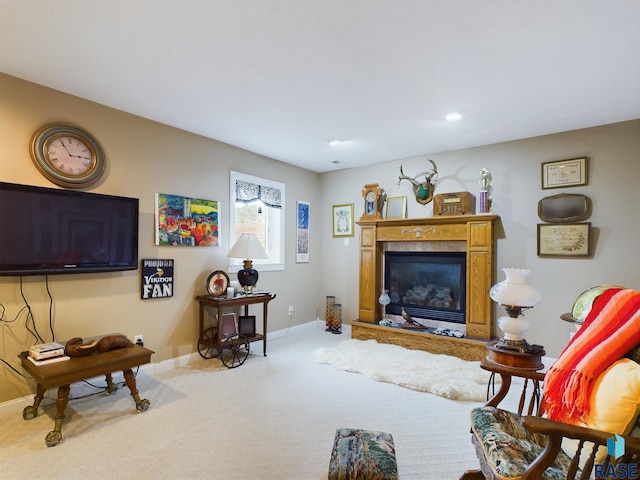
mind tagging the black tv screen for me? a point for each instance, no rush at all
(51, 231)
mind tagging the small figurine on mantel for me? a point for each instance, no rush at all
(485, 190)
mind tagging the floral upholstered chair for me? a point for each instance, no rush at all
(580, 428)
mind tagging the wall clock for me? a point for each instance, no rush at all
(67, 155)
(374, 198)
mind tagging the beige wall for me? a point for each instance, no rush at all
(614, 175)
(144, 157)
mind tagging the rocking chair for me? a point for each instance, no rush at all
(524, 445)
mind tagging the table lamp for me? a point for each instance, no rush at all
(515, 294)
(247, 247)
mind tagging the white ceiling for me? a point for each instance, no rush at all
(280, 77)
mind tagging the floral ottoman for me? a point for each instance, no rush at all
(362, 454)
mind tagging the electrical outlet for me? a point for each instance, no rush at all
(139, 340)
(291, 310)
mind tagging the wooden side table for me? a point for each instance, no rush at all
(209, 339)
(63, 374)
(510, 363)
(506, 375)
(527, 360)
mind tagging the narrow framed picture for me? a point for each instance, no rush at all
(564, 173)
(343, 220)
(302, 232)
(564, 240)
(247, 325)
(396, 208)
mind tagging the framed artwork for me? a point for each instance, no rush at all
(185, 221)
(302, 232)
(564, 173)
(564, 240)
(343, 220)
(396, 208)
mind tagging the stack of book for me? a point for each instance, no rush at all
(45, 353)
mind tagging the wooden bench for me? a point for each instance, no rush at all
(63, 374)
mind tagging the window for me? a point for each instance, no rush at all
(257, 206)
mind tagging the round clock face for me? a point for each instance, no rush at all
(70, 154)
(67, 155)
(371, 196)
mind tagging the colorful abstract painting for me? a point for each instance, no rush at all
(185, 221)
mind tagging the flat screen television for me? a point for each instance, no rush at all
(51, 231)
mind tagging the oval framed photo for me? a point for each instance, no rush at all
(217, 283)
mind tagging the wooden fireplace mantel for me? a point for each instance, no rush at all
(473, 234)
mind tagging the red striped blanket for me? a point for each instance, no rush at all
(609, 331)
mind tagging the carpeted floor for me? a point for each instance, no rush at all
(272, 418)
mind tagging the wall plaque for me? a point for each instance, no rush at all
(157, 279)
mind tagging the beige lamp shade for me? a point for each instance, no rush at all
(247, 247)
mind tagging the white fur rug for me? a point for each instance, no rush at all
(443, 375)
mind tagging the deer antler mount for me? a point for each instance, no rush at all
(422, 189)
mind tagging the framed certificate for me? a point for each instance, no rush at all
(564, 240)
(343, 220)
(564, 173)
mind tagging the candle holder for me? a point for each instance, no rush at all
(328, 314)
(384, 300)
(336, 324)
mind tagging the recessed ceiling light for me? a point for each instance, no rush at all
(336, 162)
(334, 141)
(453, 116)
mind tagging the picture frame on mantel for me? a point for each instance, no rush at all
(565, 173)
(396, 208)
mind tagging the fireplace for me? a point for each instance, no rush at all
(429, 285)
(471, 236)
